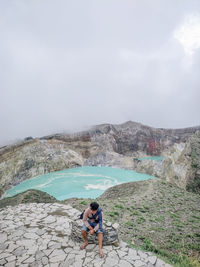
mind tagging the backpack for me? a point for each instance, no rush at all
(81, 215)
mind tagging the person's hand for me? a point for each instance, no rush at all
(92, 231)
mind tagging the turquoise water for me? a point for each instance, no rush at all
(81, 182)
(157, 158)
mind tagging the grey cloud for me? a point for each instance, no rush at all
(65, 65)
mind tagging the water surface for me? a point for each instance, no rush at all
(81, 182)
(157, 158)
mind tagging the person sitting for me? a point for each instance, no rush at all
(93, 223)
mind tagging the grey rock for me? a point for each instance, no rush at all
(45, 260)
(113, 254)
(49, 219)
(139, 263)
(2, 262)
(39, 255)
(109, 236)
(57, 259)
(31, 236)
(152, 259)
(57, 252)
(98, 264)
(30, 260)
(47, 252)
(160, 263)
(78, 263)
(10, 264)
(3, 237)
(142, 254)
(3, 246)
(5, 255)
(111, 261)
(40, 232)
(121, 253)
(115, 225)
(123, 263)
(132, 252)
(90, 247)
(11, 258)
(108, 224)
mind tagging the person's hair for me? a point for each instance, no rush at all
(94, 206)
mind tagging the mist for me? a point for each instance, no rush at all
(68, 65)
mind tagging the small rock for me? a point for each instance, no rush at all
(30, 260)
(31, 236)
(113, 254)
(3, 246)
(132, 252)
(2, 262)
(3, 237)
(45, 260)
(115, 226)
(57, 252)
(5, 255)
(90, 247)
(10, 264)
(123, 244)
(49, 219)
(123, 263)
(139, 263)
(40, 232)
(39, 255)
(111, 261)
(58, 259)
(78, 263)
(160, 263)
(121, 253)
(152, 259)
(11, 258)
(142, 254)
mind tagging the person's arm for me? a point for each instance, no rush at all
(85, 217)
(100, 223)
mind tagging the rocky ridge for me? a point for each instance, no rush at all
(102, 145)
(129, 139)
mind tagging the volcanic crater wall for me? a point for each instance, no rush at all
(104, 145)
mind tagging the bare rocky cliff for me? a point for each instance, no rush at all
(32, 158)
(130, 138)
(102, 145)
(181, 164)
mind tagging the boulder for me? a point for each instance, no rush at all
(110, 235)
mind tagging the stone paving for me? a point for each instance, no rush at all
(39, 235)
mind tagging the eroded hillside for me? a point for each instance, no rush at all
(105, 145)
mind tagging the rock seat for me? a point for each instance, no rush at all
(110, 234)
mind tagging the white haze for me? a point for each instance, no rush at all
(67, 65)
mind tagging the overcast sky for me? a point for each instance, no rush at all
(66, 64)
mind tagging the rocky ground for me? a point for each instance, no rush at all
(155, 216)
(39, 234)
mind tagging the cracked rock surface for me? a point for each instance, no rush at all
(39, 234)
